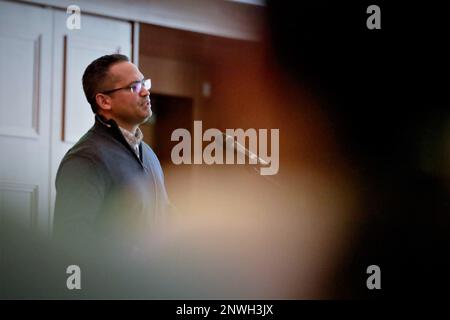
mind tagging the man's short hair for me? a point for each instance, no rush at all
(96, 74)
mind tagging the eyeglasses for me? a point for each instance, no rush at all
(134, 87)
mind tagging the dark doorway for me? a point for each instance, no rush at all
(169, 113)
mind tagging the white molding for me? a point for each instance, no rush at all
(228, 19)
(37, 80)
(19, 132)
(31, 189)
(31, 132)
(136, 29)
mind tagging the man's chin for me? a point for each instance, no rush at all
(147, 116)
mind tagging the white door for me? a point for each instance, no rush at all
(43, 110)
(25, 86)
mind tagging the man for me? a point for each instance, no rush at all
(110, 185)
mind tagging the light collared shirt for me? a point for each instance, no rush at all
(133, 139)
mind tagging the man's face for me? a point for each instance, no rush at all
(128, 108)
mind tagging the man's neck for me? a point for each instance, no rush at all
(129, 128)
(126, 126)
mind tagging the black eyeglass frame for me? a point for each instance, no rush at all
(131, 86)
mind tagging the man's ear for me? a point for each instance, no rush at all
(103, 101)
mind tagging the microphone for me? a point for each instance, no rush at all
(229, 140)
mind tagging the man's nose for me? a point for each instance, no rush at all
(144, 92)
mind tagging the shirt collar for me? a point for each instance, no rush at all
(133, 139)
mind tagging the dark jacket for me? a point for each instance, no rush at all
(105, 193)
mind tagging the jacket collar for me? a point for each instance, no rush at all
(110, 123)
(112, 128)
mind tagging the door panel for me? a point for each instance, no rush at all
(25, 78)
(43, 111)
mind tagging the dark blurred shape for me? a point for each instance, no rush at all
(383, 92)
